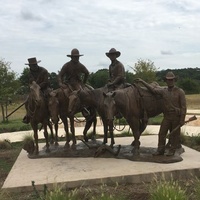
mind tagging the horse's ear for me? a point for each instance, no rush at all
(53, 94)
(113, 94)
(79, 90)
(104, 94)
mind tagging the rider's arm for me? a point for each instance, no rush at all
(148, 86)
(61, 75)
(84, 71)
(42, 78)
(44, 81)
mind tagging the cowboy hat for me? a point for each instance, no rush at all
(32, 61)
(170, 76)
(113, 51)
(74, 52)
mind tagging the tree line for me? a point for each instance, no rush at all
(11, 85)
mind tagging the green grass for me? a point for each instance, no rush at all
(14, 125)
(10, 155)
(5, 144)
(155, 120)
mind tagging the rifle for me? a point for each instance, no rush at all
(16, 109)
(189, 120)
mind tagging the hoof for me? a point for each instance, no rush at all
(136, 152)
(36, 152)
(67, 145)
(134, 142)
(48, 150)
(73, 146)
(56, 144)
(86, 139)
(52, 142)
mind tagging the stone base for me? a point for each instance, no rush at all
(96, 149)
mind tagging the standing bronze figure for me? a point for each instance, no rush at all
(174, 113)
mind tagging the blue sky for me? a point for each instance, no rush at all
(165, 32)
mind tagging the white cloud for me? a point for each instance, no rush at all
(166, 32)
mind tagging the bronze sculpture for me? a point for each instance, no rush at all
(38, 113)
(136, 105)
(58, 104)
(71, 73)
(93, 98)
(116, 70)
(70, 77)
(40, 76)
(174, 112)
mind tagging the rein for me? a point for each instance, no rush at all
(78, 120)
(32, 113)
(32, 102)
(118, 129)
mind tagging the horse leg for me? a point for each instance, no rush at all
(56, 134)
(35, 130)
(52, 135)
(72, 130)
(110, 125)
(135, 125)
(65, 122)
(87, 127)
(105, 128)
(94, 128)
(93, 118)
(46, 138)
(142, 126)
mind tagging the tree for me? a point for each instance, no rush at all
(8, 86)
(189, 86)
(129, 77)
(99, 78)
(53, 79)
(145, 70)
(24, 81)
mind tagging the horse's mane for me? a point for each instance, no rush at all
(98, 93)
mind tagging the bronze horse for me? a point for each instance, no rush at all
(95, 99)
(38, 111)
(58, 107)
(136, 105)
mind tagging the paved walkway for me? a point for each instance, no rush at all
(151, 129)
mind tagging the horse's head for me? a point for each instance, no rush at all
(35, 93)
(109, 106)
(53, 106)
(74, 102)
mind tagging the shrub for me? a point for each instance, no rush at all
(58, 194)
(5, 144)
(166, 190)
